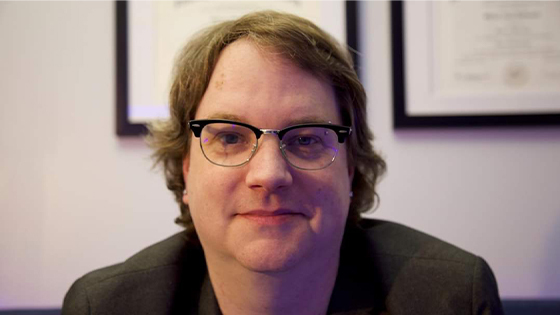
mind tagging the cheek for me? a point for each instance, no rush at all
(343, 186)
(205, 206)
(198, 179)
(209, 189)
(332, 197)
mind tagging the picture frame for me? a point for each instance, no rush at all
(130, 124)
(418, 101)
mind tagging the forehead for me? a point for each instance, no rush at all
(261, 87)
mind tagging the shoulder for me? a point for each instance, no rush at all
(151, 276)
(387, 238)
(162, 255)
(419, 273)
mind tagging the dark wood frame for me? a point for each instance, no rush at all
(402, 120)
(123, 126)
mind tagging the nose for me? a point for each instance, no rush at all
(268, 170)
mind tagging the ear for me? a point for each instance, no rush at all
(185, 173)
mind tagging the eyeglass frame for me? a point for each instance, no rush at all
(196, 126)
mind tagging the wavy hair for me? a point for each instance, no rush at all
(297, 40)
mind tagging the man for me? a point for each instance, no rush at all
(270, 158)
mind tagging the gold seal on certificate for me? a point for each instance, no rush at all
(516, 75)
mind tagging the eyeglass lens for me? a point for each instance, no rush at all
(228, 144)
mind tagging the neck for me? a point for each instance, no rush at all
(304, 289)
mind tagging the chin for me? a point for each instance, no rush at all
(270, 256)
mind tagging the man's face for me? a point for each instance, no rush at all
(267, 215)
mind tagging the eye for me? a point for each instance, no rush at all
(306, 140)
(230, 138)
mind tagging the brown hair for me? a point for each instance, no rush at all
(299, 41)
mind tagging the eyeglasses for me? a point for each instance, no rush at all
(306, 146)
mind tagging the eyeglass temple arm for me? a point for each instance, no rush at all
(196, 128)
(343, 134)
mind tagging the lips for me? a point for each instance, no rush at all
(266, 213)
(275, 217)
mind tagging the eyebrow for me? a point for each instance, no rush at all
(226, 117)
(308, 120)
(297, 121)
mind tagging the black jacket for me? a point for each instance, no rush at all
(384, 268)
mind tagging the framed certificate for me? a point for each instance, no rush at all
(150, 33)
(475, 63)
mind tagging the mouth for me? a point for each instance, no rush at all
(276, 217)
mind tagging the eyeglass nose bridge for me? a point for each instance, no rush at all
(269, 132)
(266, 132)
(281, 146)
